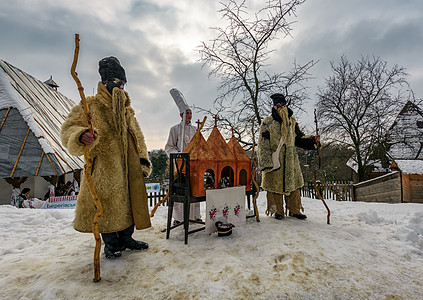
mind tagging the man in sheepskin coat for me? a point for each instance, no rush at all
(120, 162)
(282, 175)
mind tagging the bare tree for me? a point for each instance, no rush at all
(359, 103)
(239, 56)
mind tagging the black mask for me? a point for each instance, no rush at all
(110, 85)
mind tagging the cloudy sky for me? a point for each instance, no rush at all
(156, 42)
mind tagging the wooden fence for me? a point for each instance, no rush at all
(336, 190)
(155, 197)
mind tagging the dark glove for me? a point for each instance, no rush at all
(145, 166)
(266, 135)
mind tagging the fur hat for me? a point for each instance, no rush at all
(110, 68)
(278, 98)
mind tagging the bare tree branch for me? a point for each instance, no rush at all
(239, 56)
(359, 103)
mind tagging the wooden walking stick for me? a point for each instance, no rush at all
(88, 166)
(315, 171)
(197, 134)
(254, 172)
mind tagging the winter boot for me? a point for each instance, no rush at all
(127, 242)
(298, 216)
(278, 217)
(111, 245)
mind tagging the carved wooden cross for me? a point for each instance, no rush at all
(216, 118)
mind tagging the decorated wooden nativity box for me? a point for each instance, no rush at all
(217, 164)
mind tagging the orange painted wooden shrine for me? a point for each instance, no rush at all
(243, 163)
(214, 159)
(202, 158)
(226, 164)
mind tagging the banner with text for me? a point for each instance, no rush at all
(61, 202)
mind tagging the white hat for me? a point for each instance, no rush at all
(179, 100)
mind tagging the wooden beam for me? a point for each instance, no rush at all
(58, 144)
(4, 119)
(39, 164)
(61, 158)
(58, 160)
(57, 154)
(51, 164)
(20, 153)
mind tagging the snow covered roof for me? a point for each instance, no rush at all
(406, 133)
(410, 166)
(376, 165)
(31, 114)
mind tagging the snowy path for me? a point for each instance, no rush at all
(370, 251)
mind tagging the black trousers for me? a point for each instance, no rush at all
(117, 239)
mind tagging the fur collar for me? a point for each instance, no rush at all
(105, 97)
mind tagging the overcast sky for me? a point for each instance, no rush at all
(156, 41)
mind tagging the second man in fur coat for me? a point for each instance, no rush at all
(282, 175)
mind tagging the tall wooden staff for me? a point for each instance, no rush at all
(254, 172)
(88, 166)
(315, 171)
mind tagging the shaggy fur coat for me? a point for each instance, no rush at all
(288, 177)
(117, 173)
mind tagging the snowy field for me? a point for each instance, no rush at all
(370, 251)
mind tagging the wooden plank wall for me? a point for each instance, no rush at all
(382, 189)
(416, 188)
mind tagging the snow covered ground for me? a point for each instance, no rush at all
(370, 251)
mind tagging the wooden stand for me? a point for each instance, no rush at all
(180, 192)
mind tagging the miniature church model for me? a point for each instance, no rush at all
(217, 164)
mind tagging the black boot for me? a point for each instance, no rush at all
(298, 216)
(278, 217)
(111, 245)
(127, 242)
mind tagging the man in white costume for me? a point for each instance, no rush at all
(173, 145)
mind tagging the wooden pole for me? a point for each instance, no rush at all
(51, 163)
(39, 164)
(4, 119)
(20, 153)
(254, 172)
(315, 172)
(88, 166)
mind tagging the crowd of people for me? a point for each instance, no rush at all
(63, 189)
